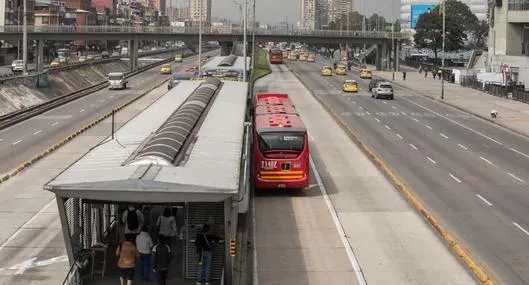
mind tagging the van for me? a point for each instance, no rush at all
(116, 80)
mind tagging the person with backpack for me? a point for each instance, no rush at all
(133, 220)
(167, 228)
(204, 244)
(161, 258)
(128, 257)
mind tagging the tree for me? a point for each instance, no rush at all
(396, 26)
(377, 23)
(480, 35)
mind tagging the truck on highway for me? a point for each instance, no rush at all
(117, 80)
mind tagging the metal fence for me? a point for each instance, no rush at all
(515, 92)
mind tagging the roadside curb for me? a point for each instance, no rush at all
(62, 142)
(499, 124)
(479, 273)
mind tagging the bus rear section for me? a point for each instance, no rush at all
(272, 99)
(275, 56)
(280, 151)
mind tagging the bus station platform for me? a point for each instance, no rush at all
(188, 151)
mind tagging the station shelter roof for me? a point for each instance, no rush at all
(210, 173)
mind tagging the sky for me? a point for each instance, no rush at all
(275, 11)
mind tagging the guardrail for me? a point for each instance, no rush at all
(206, 31)
(96, 60)
(26, 113)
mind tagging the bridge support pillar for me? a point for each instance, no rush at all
(225, 48)
(40, 54)
(396, 55)
(133, 53)
(378, 59)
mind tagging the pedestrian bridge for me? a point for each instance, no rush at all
(190, 34)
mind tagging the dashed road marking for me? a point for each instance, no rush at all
(354, 102)
(413, 146)
(384, 102)
(367, 113)
(394, 108)
(443, 135)
(361, 108)
(404, 113)
(484, 200)
(54, 124)
(519, 152)
(428, 127)
(1, 140)
(431, 160)
(17, 142)
(454, 177)
(486, 160)
(399, 136)
(515, 177)
(520, 228)
(82, 110)
(415, 119)
(387, 127)
(93, 105)
(376, 119)
(462, 146)
(37, 132)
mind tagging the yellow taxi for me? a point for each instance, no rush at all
(178, 58)
(326, 71)
(341, 70)
(350, 86)
(165, 69)
(55, 63)
(302, 57)
(285, 55)
(292, 57)
(311, 58)
(364, 73)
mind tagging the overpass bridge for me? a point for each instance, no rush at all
(383, 40)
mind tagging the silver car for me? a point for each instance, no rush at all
(382, 89)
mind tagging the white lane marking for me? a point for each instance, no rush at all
(361, 108)
(353, 102)
(376, 119)
(82, 110)
(515, 177)
(486, 160)
(431, 160)
(1, 140)
(443, 135)
(387, 127)
(484, 200)
(398, 135)
(23, 226)
(17, 142)
(462, 146)
(414, 147)
(111, 96)
(394, 108)
(457, 123)
(404, 113)
(455, 178)
(429, 127)
(37, 132)
(103, 100)
(343, 236)
(54, 124)
(520, 228)
(519, 152)
(367, 113)
(93, 105)
(415, 119)
(384, 102)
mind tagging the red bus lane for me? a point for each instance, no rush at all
(280, 144)
(275, 56)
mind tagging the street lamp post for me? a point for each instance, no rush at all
(200, 39)
(245, 9)
(253, 34)
(444, 54)
(25, 39)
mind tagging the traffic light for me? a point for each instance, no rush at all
(233, 247)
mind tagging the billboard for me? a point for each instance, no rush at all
(418, 10)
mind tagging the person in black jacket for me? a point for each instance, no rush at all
(161, 258)
(204, 243)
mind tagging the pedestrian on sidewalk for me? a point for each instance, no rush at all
(128, 257)
(404, 75)
(439, 73)
(144, 245)
(433, 74)
(161, 258)
(133, 220)
(204, 244)
(425, 73)
(167, 228)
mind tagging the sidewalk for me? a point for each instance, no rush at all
(512, 114)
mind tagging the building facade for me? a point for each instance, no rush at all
(337, 8)
(200, 9)
(315, 14)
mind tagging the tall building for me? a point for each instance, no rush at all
(337, 8)
(195, 13)
(183, 13)
(410, 10)
(160, 5)
(11, 13)
(314, 14)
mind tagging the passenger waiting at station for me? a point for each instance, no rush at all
(128, 257)
(161, 258)
(133, 220)
(204, 243)
(144, 245)
(166, 225)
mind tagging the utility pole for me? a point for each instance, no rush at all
(393, 39)
(200, 39)
(25, 40)
(253, 34)
(245, 9)
(444, 54)
(364, 30)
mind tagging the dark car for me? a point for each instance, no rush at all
(105, 54)
(373, 83)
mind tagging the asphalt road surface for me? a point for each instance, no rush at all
(470, 173)
(27, 139)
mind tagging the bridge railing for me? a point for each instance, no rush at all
(205, 30)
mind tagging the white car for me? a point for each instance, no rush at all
(382, 89)
(17, 66)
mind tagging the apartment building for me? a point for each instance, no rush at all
(200, 9)
(336, 8)
(314, 14)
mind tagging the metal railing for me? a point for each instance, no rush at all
(206, 31)
(74, 275)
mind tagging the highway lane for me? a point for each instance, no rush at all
(484, 206)
(27, 139)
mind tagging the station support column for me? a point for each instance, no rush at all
(40, 54)
(230, 232)
(65, 227)
(378, 59)
(224, 48)
(133, 53)
(397, 55)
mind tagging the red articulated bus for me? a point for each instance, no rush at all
(275, 56)
(280, 144)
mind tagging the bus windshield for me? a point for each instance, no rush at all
(281, 141)
(276, 52)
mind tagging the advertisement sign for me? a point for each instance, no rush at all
(417, 11)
